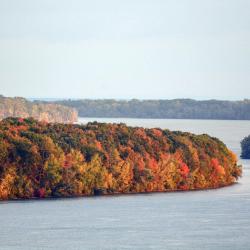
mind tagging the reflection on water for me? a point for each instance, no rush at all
(213, 219)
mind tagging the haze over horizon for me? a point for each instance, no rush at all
(125, 49)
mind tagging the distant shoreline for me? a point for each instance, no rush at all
(161, 109)
(68, 110)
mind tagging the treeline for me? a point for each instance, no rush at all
(245, 148)
(49, 112)
(173, 109)
(40, 159)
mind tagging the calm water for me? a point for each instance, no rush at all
(214, 219)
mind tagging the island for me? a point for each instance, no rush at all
(48, 112)
(245, 148)
(42, 160)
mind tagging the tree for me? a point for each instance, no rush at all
(245, 148)
(39, 159)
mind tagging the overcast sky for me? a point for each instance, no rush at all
(122, 49)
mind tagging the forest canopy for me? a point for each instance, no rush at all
(39, 159)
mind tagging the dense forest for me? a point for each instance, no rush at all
(245, 148)
(39, 159)
(50, 112)
(175, 109)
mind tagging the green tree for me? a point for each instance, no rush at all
(245, 148)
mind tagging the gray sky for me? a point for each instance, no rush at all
(125, 48)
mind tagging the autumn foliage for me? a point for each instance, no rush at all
(42, 160)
